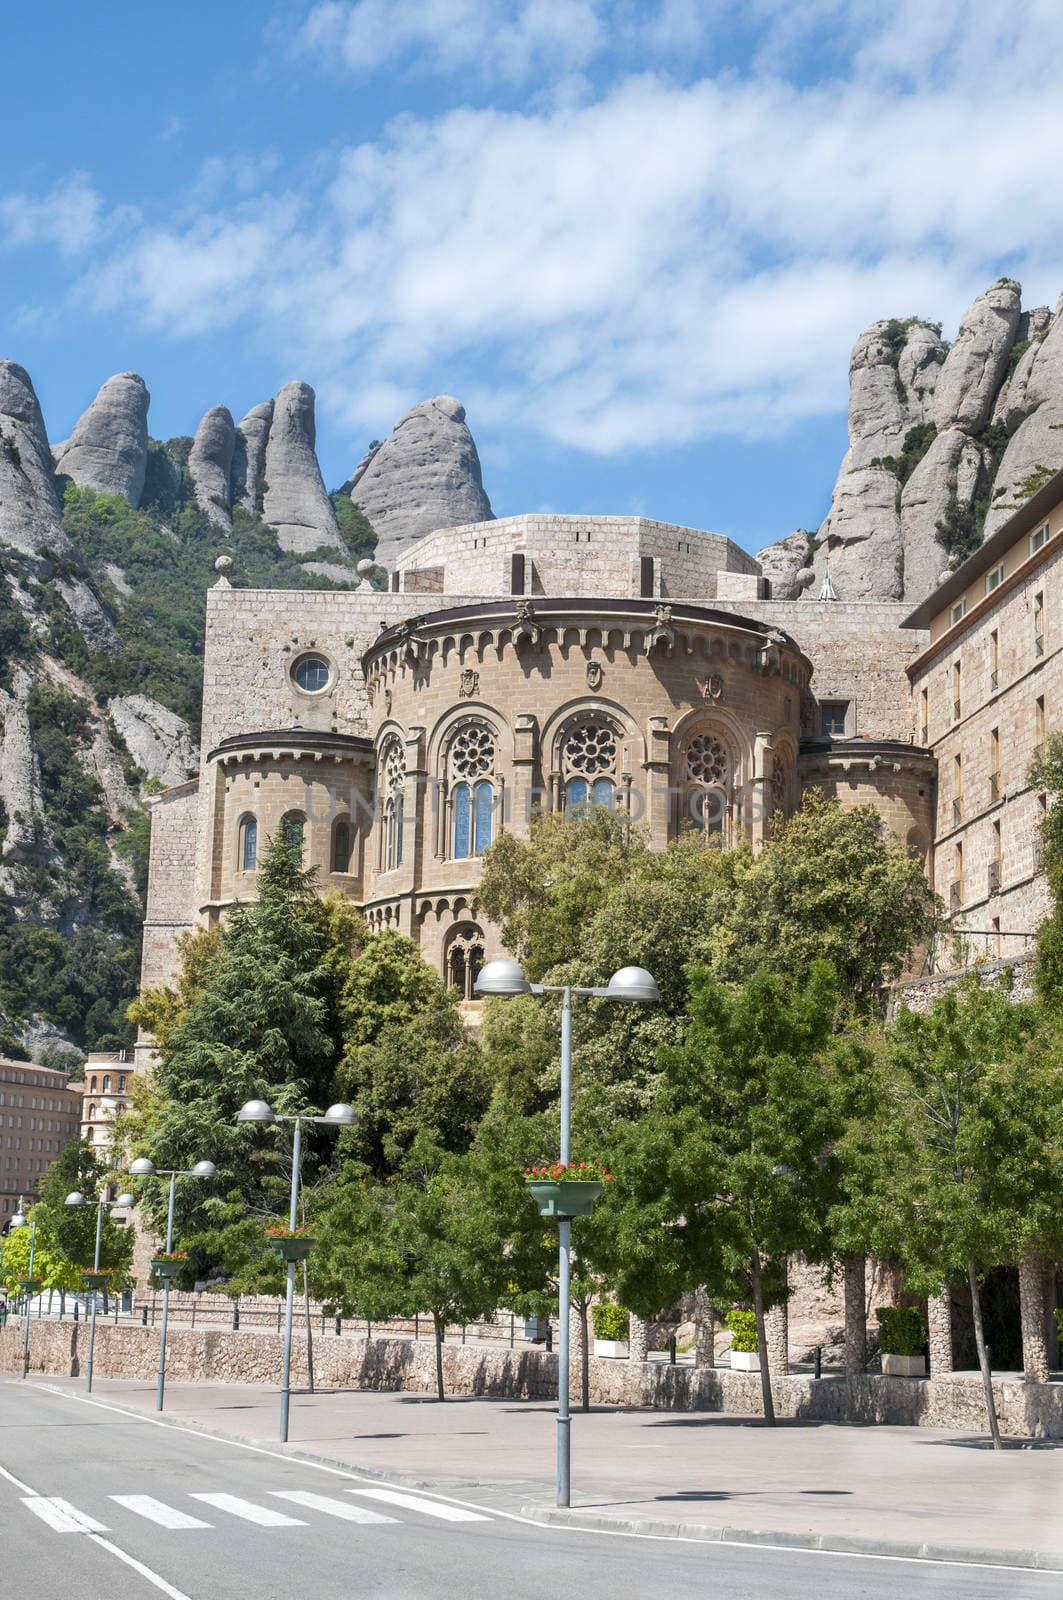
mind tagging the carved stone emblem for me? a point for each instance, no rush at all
(594, 674)
(712, 688)
(470, 684)
(387, 702)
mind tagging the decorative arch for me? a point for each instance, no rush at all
(708, 772)
(391, 779)
(463, 956)
(341, 845)
(591, 745)
(247, 843)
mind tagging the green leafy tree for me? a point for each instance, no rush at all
(256, 1014)
(50, 1266)
(963, 1159)
(1047, 773)
(71, 1230)
(732, 1170)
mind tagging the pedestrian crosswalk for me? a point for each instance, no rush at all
(62, 1517)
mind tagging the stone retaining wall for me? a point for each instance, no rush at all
(221, 1356)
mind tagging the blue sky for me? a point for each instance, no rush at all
(637, 240)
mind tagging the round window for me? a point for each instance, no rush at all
(312, 673)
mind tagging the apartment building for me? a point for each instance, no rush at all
(39, 1114)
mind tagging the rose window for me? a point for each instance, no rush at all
(590, 749)
(472, 753)
(706, 760)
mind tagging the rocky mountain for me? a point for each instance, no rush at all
(107, 546)
(945, 442)
(425, 475)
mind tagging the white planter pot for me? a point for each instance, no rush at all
(745, 1360)
(611, 1347)
(903, 1366)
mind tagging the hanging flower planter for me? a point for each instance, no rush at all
(29, 1285)
(563, 1192)
(169, 1266)
(289, 1245)
(103, 1279)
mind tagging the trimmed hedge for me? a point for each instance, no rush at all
(610, 1321)
(743, 1326)
(902, 1330)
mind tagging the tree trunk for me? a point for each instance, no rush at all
(762, 1339)
(438, 1326)
(1051, 1330)
(309, 1330)
(983, 1359)
(855, 1314)
(704, 1330)
(1032, 1314)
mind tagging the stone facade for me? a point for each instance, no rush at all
(988, 691)
(40, 1113)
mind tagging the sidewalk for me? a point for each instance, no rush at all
(900, 1491)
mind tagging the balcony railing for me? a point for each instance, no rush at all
(956, 895)
(992, 877)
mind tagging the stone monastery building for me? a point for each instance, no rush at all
(547, 662)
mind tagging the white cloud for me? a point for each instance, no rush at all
(69, 217)
(651, 262)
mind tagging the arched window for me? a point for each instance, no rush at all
(92, 1084)
(465, 957)
(248, 844)
(293, 830)
(121, 1085)
(92, 1112)
(107, 1083)
(589, 759)
(341, 845)
(391, 776)
(470, 766)
(708, 780)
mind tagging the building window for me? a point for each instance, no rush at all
(341, 845)
(709, 776)
(957, 790)
(924, 716)
(471, 762)
(516, 574)
(833, 714)
(1039, 537)
(312, 674)
(957, 613)
(107, 1083)
(994, 661)
(293, 830)
(465, 957)
(1038, 624)
(994, 579)
(1040, 721)
(956, 895)
(248, 844)
(994, 764)
(121, 1085)
(92, 1084)
(589, 759)
(957, 691)
(646, 577)
(392, 766)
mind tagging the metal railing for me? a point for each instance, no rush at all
(214, 1311)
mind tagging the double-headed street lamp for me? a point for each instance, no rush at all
(143, 1168)
(505, 978)
(20, 1220)
(338, 1116)
(124, 1202)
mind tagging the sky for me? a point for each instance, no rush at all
(637, 240)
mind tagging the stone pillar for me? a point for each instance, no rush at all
(1032, 1312)
(855, 1292)
(704, 1330)
(1051, 1326)
(638, 1331)
(777, 1335)
(658, 819)
(939, 1324)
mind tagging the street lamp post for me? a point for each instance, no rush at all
(19, 1220)
(123, 1202)
(143, 1168)
(339, 1115)
(505, 977)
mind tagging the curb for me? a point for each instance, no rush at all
(823, 1543)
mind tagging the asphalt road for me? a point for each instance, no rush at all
(114, 1507)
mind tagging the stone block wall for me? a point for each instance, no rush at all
(171, 900)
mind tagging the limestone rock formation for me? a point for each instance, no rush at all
(426, 475)
(249, 456)
(108, 449)
(949, 470)
(295, 501)
(978, 359)
(1035, 449)
(861, 537)
(787, 565)
(210, 465)
(29, 507)
(157, 739)
(919, 370)
(20, 773)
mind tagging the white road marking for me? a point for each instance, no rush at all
(10, 1476)
(249, 1511)
(413, 1502)
(334, 1508)
(61, 1516)
(145, 1505)
(226, 1442)
(138, 1566)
